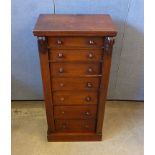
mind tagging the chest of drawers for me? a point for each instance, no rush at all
(75, 56)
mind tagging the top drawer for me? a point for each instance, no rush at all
(86, 42)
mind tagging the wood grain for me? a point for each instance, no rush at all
(69, 55)
(74, 25)
(75, 125)
(62, 42)
(104, 82)
(72, 136)
(74, 69)
(45, 70)
(75, 112)
(74, 97)
(75, 83)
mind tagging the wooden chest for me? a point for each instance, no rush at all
(75, 56)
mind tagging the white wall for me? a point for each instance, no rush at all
(130, 77)
(26, 77)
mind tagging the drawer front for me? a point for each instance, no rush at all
(74, 98)
(75, 55)
(75, 112)
(75, 83)
(75, 125)
(60, 42)
(74, 69)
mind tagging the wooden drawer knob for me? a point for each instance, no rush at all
(62, 99)
(86, 126)
(87, 113)
(60, 55)
(91, 42)
(61, 70)
(88, 98)
(64, 126)
(63, 112)
(89, 85)
(61, 84)
(90, 70)
(59, 42)
(90, 55)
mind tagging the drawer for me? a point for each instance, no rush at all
(75, 125)
(74, 69)
(75, 55)
(75, 112)
(61, 42)
(75, 83)
(74, 98)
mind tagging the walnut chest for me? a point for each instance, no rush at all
(75, 56)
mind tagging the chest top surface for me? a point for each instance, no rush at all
(74, 25)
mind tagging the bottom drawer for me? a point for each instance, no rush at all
(75, 125)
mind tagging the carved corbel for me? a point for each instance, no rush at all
(42, 44)
(108, 44)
